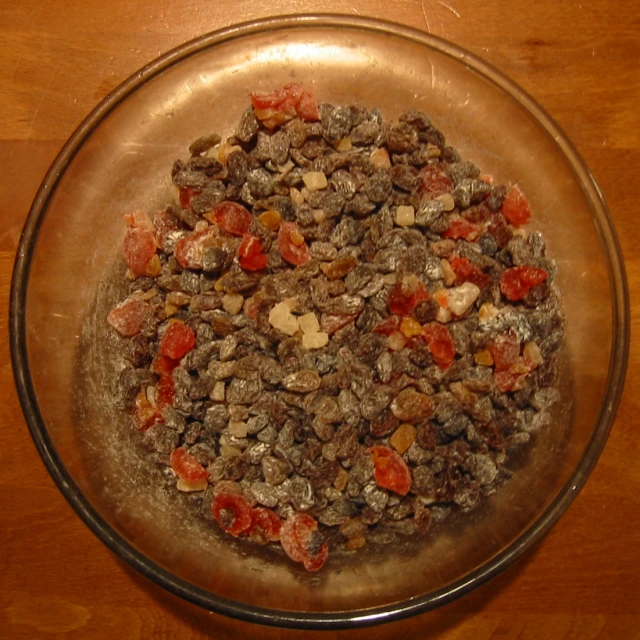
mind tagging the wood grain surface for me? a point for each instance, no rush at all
(579, 60)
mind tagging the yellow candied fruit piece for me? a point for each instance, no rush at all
(170, 309)
(441, 297)
(154, 266)
(271, 219)
(483, 358)
(189, 486)
(410, 327)
(343, 145)
(487, 312)
(403, 437)
(356, 543)
(531, 352)
(297, 239)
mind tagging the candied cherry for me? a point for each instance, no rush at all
(128, 318)
(165, 392)
(190, 249)
(290, 93)
(268, 521)
(164, 223)
(435, 181)
(177, 340)
(276, 107)
(405, 295)
(186, 194)
(505, 350)
(440, 344)
(300, 544)
(255, 263)
(390, 471)
(516, 282)
(232, 217)
(515, 207)
(232, 512)
(138, 246)
(307, 108)
(466, 271)
(388, 326)
(250, 247)
(462, 228)
(186, 467)
(504, 380)
(164, 366)
(292, 245)
(251, 253)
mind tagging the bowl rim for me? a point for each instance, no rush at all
(297, 619)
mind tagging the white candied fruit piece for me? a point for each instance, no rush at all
(448, 273)
(309, 323)
(461, 298)
(314, 180)
(237, 428)
(380, 159)
(296, 196)
(281, 318)
(487, 312)
(389, 278)
(405, 215)
(188, 485)
(443, 316)
(315, 340)
(232, 303)
(218, 392)
(396, 341)
(447, 201)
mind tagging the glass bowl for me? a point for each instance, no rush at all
(68, 274)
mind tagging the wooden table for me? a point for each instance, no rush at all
(58, 59)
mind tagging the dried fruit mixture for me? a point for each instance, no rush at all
(339, 331)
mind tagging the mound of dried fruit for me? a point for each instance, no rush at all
(339, 331)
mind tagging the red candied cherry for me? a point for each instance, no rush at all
(292, 245)
(300, 541)
(128, 318)
(440, 344)
(186, 467)
(232, 512)
(405, 295)
(177, 340)
(515, 207)
(516, 282)
(390, 471)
